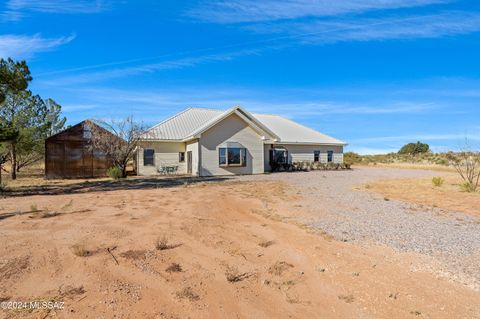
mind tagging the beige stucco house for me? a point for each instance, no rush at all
(210, 142)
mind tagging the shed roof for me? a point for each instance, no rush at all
(186, 124)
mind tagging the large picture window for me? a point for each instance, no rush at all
(232, 156)
(148, 157)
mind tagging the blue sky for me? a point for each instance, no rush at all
(375, 73)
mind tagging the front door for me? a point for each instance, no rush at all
(189, 162)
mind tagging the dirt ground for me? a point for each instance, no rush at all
(224, 255)
(448, 196)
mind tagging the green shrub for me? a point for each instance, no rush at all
(438, 181)
(114, 172)
(468, 187)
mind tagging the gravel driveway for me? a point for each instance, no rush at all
(349, 215)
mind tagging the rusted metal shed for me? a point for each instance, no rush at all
(68, 154)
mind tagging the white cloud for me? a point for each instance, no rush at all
(368, 29)
(121, 72)
(235, 11)
(17, 9)
(25, 46)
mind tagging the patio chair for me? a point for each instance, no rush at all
(162, 170)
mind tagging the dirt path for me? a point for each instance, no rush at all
(277, 269)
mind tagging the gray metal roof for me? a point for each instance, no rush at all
(189, 122)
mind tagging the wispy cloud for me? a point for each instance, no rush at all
(25, 46)
(173, 64)
(17, 9)
(368, 29)
(236, 11)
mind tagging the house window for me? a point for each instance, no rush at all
(330, 156)
(232, 156)
(280, 155)
(316, 156)
(148, 157)
(181, 157)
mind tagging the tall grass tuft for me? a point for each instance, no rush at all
(437, 181)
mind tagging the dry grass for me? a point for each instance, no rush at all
(266, 243)
(134, 254)
(43, 214)
(162, 243)
(347, 298)
(187, 293)
(80, 250)
(429, 167)
(279, 268)
(174, 267)
(234, 275)
(422, 191)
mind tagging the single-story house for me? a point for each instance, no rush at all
(209, 142)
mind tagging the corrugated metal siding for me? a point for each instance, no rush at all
(231, 129)
(67, 155)
(183, 124)
(290, 131)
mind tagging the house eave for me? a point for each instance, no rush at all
(306, 143)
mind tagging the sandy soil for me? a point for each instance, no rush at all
(448, 196)
(235, 259)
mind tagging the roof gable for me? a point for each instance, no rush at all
(192, 122)
(244, 115)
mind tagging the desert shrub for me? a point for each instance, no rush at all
(468, 187)
(266, 243)
(279, 268)
(414, 148)
(437, 181)
(352, 158)
(162, 243)
(114, 172)
(233, 275)
(174, 267)
(188, 293)
(441, 161)
(80, 250)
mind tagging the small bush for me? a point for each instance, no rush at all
(33, 208)
(174, 267)
(80, 250)
(468, 187)
(162, 243)
(437, 181)
(279, 268)
(188, 293)
(266, 243)
(347, 298)
(233, 275)
(114, 173)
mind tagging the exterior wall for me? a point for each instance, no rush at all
(68, 155)
(166, 153)
(300, 153)
(231, 129)
(193, 146)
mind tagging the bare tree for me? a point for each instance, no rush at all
(117, 139)
(467, 164)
